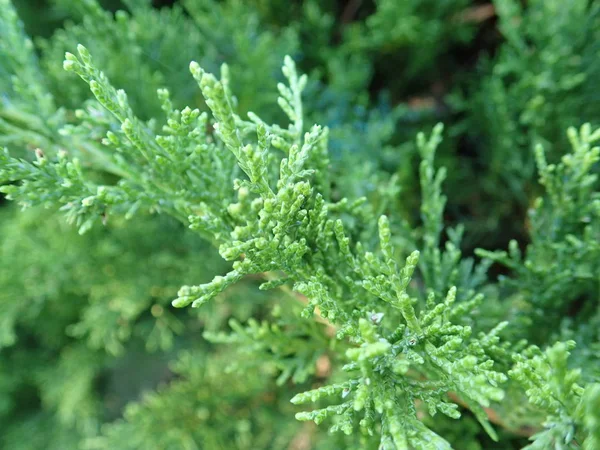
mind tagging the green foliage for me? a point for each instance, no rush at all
(186, 413)
(550, 385)
(546, 59)
(561, 265)
(341, 286)
(415, 34)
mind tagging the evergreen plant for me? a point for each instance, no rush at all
(231, 237)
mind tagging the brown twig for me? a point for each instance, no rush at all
(477, 14)
(304, 439)
(350, 10)
(269, 276)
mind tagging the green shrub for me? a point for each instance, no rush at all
(347, 308)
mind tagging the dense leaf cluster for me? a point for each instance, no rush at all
(340, 285)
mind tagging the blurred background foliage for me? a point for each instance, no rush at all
(92, 354)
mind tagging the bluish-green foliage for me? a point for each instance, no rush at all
(236, 157)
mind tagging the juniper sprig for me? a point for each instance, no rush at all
(357, 300)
